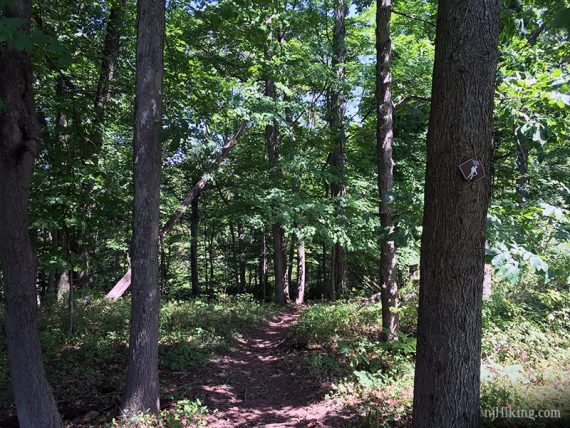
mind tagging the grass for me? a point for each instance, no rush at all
(525, 356)
(525, 361)
(87, 370)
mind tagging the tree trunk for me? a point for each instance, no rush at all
(93, 145)
(194, 221)
(384, 139)
(241, 248)
(107, 69)
(337, 112)
(278, 232)
(300, 272)
(279, 263)
(289, 272)
(263, 267)
(210, 284)
(448, 359)
(522, 166)
(19, 136)
(235, 264)
(142, 388)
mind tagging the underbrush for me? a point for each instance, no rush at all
(87, 369)
(525, 359)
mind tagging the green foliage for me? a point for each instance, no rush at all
(92, 362)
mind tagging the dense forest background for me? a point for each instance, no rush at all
(236, 71)
(215, 63)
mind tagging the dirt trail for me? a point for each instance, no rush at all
(259, 384)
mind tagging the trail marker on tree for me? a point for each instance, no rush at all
(472, 170)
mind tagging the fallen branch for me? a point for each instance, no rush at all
(123, 284)
(370, 300)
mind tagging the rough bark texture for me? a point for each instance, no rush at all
(384, 139)
(337, 113)
(194, 221)
(142, 388)
(447, 377)
(301, 272)
(19, 135)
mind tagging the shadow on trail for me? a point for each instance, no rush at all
(260, 384)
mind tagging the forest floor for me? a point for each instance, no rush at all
(260, 382)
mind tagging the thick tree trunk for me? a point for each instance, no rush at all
(447, 377)
(384, 139)
(337, 113)
(142, 388)
(194, 221)
(19, 135)
(300, 272)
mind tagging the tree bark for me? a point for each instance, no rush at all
(384, 140)
(300, 272)
(337, 113)
(194, 222)
(19, 136)
(448, 359)
(522, 167)
(235, 263)
(142, 388)
(241, 249)
(107, 68)
(277, 230)
(263, 267)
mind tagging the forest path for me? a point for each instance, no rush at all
(260, 384)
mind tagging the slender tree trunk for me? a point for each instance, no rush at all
(263, 267)
(194, 221)
(235, 263)
(300, 272)
(207, 253)
(448, 359)
(277, 230)
(163, 269)
(279, 263)
(211, 257)
(142, 388)
(384, 139)
(107, 69)
(93, 145)
(522, 166)
(19, 136)
(289, 273)
(325, 281)
(241, 248)
(70, 307)
(337, 113)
